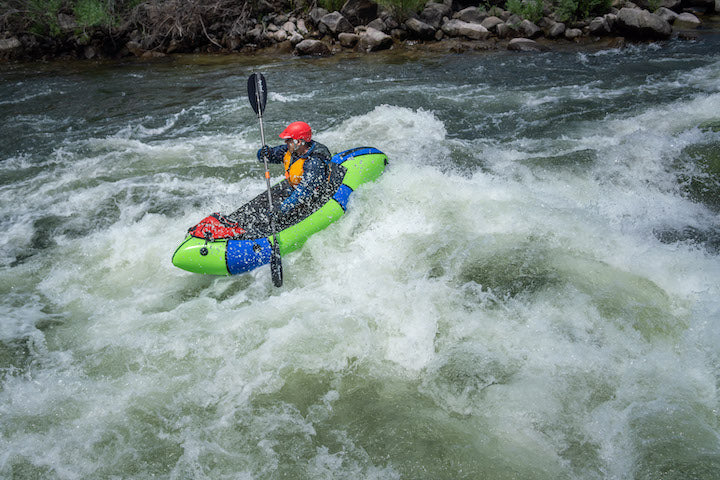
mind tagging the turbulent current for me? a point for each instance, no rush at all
(530, 291)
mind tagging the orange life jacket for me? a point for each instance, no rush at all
(293, 170)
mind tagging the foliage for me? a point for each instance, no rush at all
(529, 9)
(42, 16)
(93, 13)
(579, 9)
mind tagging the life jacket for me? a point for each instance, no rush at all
(294, 169)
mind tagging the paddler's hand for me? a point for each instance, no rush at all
(264, 152)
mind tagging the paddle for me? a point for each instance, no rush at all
(257, 93)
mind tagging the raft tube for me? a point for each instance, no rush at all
(251, 249)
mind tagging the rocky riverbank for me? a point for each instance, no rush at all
(156, 29)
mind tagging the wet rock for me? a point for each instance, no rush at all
(373, 40)
(471, 15)
(459, 28)
(312, 47)
(686, 21)
(525, 45)
(359, 12)
(335, 23)
(642, 24)
(348, 40)
(420, 29)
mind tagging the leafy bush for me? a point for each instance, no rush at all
(529, 9)
(93, 13)
(42, 17)
(579, 9)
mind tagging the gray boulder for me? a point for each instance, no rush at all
(471, 15)
(491, 23)
(686, 21)
(316, 14)
(666, 14)
(525, 45)
(9, 45)
(642, 24)
(348, 40)
(373, 40)
(529, 30)
(420, 29)
(458, 28)
(433, 14)
(335, 23)
(379, 24)
(573, 33)
(556, 30)
(312, 47)
(599, 26)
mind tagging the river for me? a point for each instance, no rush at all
(530, 291)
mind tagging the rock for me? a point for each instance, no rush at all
(335, 23)
(471, 15)
(134, 48)
(90, 52)
(359, 12)
(279, 36)
(316, 14)
(373, 40)
(599, 26)
(459, 28)
(666, 14)
(686, 21)
(399, 34)
(507, 30)
(295, 38)
(491, 23)
(524, 45)
(652, 5)
(717, 6)
(301, 28)
(529, 30)
(348, 40)
(573, 33)
(379, 24)
(8, 45)
(433, 14)
(420, 29)
(312, 47)
(642, 24)
(289, 27)
(557, 30)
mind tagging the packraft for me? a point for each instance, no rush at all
(241, 241)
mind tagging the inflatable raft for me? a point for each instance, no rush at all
(241, 241)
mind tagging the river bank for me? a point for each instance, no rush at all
(155, 30)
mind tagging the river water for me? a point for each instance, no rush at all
(530, 291)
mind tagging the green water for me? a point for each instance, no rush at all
(530, 291)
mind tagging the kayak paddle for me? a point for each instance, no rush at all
(257, 93)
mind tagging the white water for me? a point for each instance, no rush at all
(497, 305)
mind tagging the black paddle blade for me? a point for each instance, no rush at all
(276, 265)
(257, 92)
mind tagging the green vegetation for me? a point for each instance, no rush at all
(580, 9)
(529, 9)
(93, 13)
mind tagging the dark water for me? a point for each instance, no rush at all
(530, 291)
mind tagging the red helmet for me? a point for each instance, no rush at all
(297, 131)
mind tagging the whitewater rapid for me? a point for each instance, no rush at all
(513, 298)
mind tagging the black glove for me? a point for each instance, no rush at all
(264, 152)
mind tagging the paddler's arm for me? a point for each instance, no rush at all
(275, 154)
(313, 173)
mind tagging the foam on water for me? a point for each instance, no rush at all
(492, 307)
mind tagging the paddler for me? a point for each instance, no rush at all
(306, 163)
